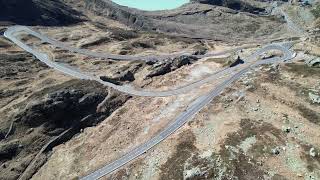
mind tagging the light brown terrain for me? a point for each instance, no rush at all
(264, 126)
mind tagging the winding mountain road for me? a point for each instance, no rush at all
(251, 62)
(12, 33)
(185, 116)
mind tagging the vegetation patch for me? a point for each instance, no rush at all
(316, 11)
(4, 43)
(143, 44)
(309, 114)
(238, 157)
(302, 69)
(174, 167)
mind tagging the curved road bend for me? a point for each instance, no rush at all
(183, 118)
(12, 32)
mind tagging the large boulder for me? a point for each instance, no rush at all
(125, 76)
(313, 62)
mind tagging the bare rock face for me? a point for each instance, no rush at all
(122, 76)
(163, 67)
(66, 107)
(61, 108)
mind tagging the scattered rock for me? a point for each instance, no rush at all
(313, 63)
(315, 98)
(313, 152)
(237, 61)
(286, 129)
(275, 151)
(29, 131)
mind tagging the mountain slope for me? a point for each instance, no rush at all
(194, 20)
(37, 12)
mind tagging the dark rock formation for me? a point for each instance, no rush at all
(237, 62)
(13, 64)
(233, 4)
(8, 150)
(61, 109)
(121, 77)
(37, 12)
(124, 74)
(163, 67)
(65, 107)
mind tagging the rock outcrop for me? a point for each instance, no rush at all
(164, 67)
(50, 117)
(313, 62)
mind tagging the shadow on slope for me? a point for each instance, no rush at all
(233, 4)
(38, 12)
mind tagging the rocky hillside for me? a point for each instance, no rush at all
(53, 126)
(37, 12)
(203, 19)
(38, 117)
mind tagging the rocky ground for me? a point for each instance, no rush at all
(265, 126)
